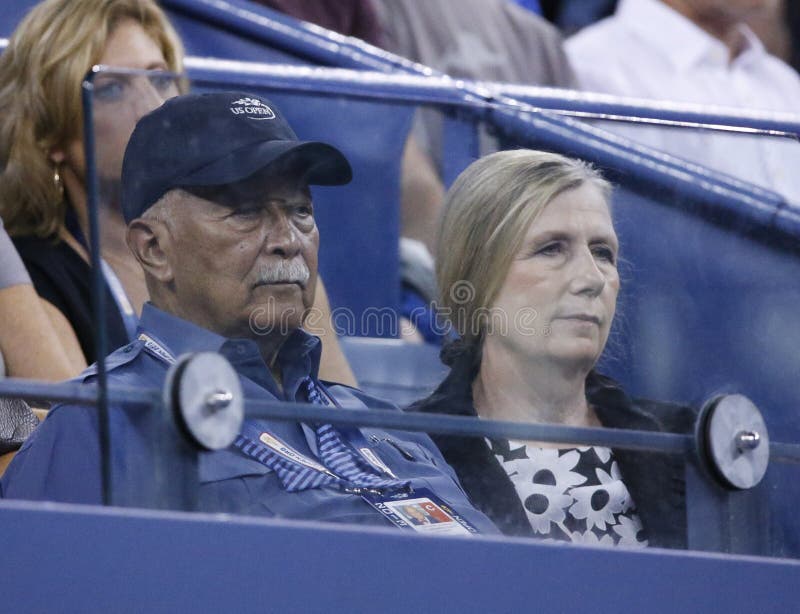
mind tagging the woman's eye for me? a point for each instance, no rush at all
(604, 253)
(164, 83)
(551, 249)
(109, 90)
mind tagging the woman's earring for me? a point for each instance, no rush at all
(58, 183)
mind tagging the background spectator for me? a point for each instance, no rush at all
(349, 17)
(699, 52)
(42, 186)
(490, 40)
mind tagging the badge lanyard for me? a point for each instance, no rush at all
(253, 442)
(262, 439)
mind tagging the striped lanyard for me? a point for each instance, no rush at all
(340, 465)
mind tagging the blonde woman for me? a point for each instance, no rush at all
(527, 263)
(43, 195)
(42, 186)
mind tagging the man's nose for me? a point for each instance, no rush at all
(282, 238)
(587, 278)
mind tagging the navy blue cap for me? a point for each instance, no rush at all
(215, 139)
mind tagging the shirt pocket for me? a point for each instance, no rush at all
(397, 452)
(228, 465)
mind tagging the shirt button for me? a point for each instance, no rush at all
(128, 349)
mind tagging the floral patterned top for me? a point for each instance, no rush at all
(574, 494)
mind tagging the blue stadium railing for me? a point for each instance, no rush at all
(755, 206)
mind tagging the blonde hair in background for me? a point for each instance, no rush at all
(487, 212)
(40, 96)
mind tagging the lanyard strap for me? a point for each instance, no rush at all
(360, 466)
(342, 466)
(295, 470)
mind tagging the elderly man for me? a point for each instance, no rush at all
(220, 217)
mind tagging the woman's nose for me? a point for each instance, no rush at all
(587, 278)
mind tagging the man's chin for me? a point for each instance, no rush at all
(275, 316)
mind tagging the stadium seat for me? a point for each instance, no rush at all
(393, 369)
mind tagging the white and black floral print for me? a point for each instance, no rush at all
(575, 494)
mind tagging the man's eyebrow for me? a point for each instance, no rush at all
(290, 201)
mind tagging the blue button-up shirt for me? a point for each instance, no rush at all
(61, 460)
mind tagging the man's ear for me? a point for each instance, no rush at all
(150, 241)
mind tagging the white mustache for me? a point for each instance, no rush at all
(284, 272)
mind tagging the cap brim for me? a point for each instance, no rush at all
(319, 163)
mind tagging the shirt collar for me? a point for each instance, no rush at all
(301, 351)
(680, 41)
(177, 335)
(753, 50)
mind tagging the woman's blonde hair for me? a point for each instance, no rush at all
(487, 213)
(40, 96)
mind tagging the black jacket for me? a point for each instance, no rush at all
(655, 480)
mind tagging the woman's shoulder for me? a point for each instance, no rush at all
(42, 249)
(50, 258)
(59, 274)
(619, 410)
(674, 417)
(453, 396)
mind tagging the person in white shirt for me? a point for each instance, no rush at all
(696, 51)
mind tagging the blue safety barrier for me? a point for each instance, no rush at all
(90, 559)
(642, 167)
(393, 369)
(717, 519)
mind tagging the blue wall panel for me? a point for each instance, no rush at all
(73, 559)
(705, 310)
